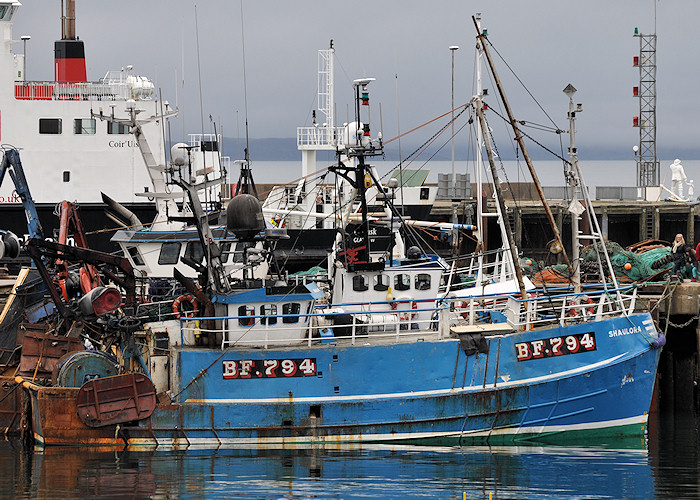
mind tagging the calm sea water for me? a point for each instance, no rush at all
(664, 466)
(550, 173)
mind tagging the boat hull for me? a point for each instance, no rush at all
(428, 392)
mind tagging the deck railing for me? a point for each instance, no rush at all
(393, 321)
(76, 91)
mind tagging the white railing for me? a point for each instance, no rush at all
(83, 91)
(358, 322)
(322, 326)
(527, 314)
(318, 137)
(494, 268)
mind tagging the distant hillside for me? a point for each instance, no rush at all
(285, 149)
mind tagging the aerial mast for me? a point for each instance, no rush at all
(647, 161)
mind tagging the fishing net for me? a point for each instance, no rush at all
(650, 264)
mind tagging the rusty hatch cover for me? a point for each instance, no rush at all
(115, 400)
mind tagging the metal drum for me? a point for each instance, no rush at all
(77, 368)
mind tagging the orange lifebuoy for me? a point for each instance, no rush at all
(591, 310)
(573, 311)
(188, 312)
(405, 315)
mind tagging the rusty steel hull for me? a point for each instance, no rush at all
(10, 406)
(55, 421)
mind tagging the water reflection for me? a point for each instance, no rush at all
(330, 472)
(674, 455)
(667, 466)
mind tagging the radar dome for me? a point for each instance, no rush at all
(178, 154)
(244, 216)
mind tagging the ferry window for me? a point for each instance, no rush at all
(169, 253)
(381, 282)
(50, 126)
(117, 128)
(359, 283)
(424, 193)
(244, 311)
(84, 126)
(135, 256)
(423, 282)
(402, 282)
(66, 176)
(269, 313)
(3, 11)
(291, 308)
(194, 251)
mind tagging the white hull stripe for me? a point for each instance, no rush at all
(514, 431)
(403, 395)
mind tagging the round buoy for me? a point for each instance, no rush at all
(628, 266)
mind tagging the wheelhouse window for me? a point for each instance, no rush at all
(402, 282)
(209, 145)
(195, 251)
(136, 256)
(84, 126)
(239, 252)
(225, 252)
(6, 12)
(381, 282)
(244, 311)
(269, 314)
(117, 128)
(169, 253)
(293, 308)
(423, 282)
(50, 126)
(359, 283)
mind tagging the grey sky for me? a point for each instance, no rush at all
(548, 43)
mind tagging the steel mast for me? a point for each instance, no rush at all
(647, 161)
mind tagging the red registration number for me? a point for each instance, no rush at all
(269, 368)
(555, 346)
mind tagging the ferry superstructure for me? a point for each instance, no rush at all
(67, 153)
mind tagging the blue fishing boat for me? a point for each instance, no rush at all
(380, 356)
(268, 364)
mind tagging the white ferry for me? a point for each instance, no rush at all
(67, 154)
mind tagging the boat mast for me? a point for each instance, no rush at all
(575, 179)
(481, 36)
(479, 106)
(575, 208)
(480, 218)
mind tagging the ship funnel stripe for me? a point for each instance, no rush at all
(69, 49)
(69, 61)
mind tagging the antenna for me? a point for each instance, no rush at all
(199, 75)
(245, 88)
